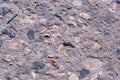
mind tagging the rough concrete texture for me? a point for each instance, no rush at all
(59, 39)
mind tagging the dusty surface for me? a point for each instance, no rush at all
(59, 39)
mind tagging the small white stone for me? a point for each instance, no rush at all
(69, 73)
(84, 15)
(73, 76)
(77, 3)
(43, 21)
(33, 74)
(79, 20)
(55, 27)
(27, 49)
(72, 18)
(113, 8)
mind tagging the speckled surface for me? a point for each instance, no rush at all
(59, 40)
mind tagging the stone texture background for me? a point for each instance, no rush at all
(59, 40)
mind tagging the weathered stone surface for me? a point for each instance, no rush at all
(12, 45)
(92, 64)
(59, 39)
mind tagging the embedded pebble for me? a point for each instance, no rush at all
(84, 15)
(33, 74)
(68, 44)
(84, 73)
(73, 76)
(58, 16)
(5, 10)
(30, 34)
(43, 21)
(49, 16)
(9, 32)
(118, 51)
(50, 56)
(106, 32)
(38, 65)
(55, 63)
(118, 1)
(96, 47)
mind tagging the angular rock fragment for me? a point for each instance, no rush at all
(118, 51)
(84, 73)
(73, 76)
(38, 65)
(5, 10)
(96, 47)
(68, 44)
(9, 32)
(58, 16)
(46, 36)
(49, 16)
(30, 34)
(54, 63)
(69, 7)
